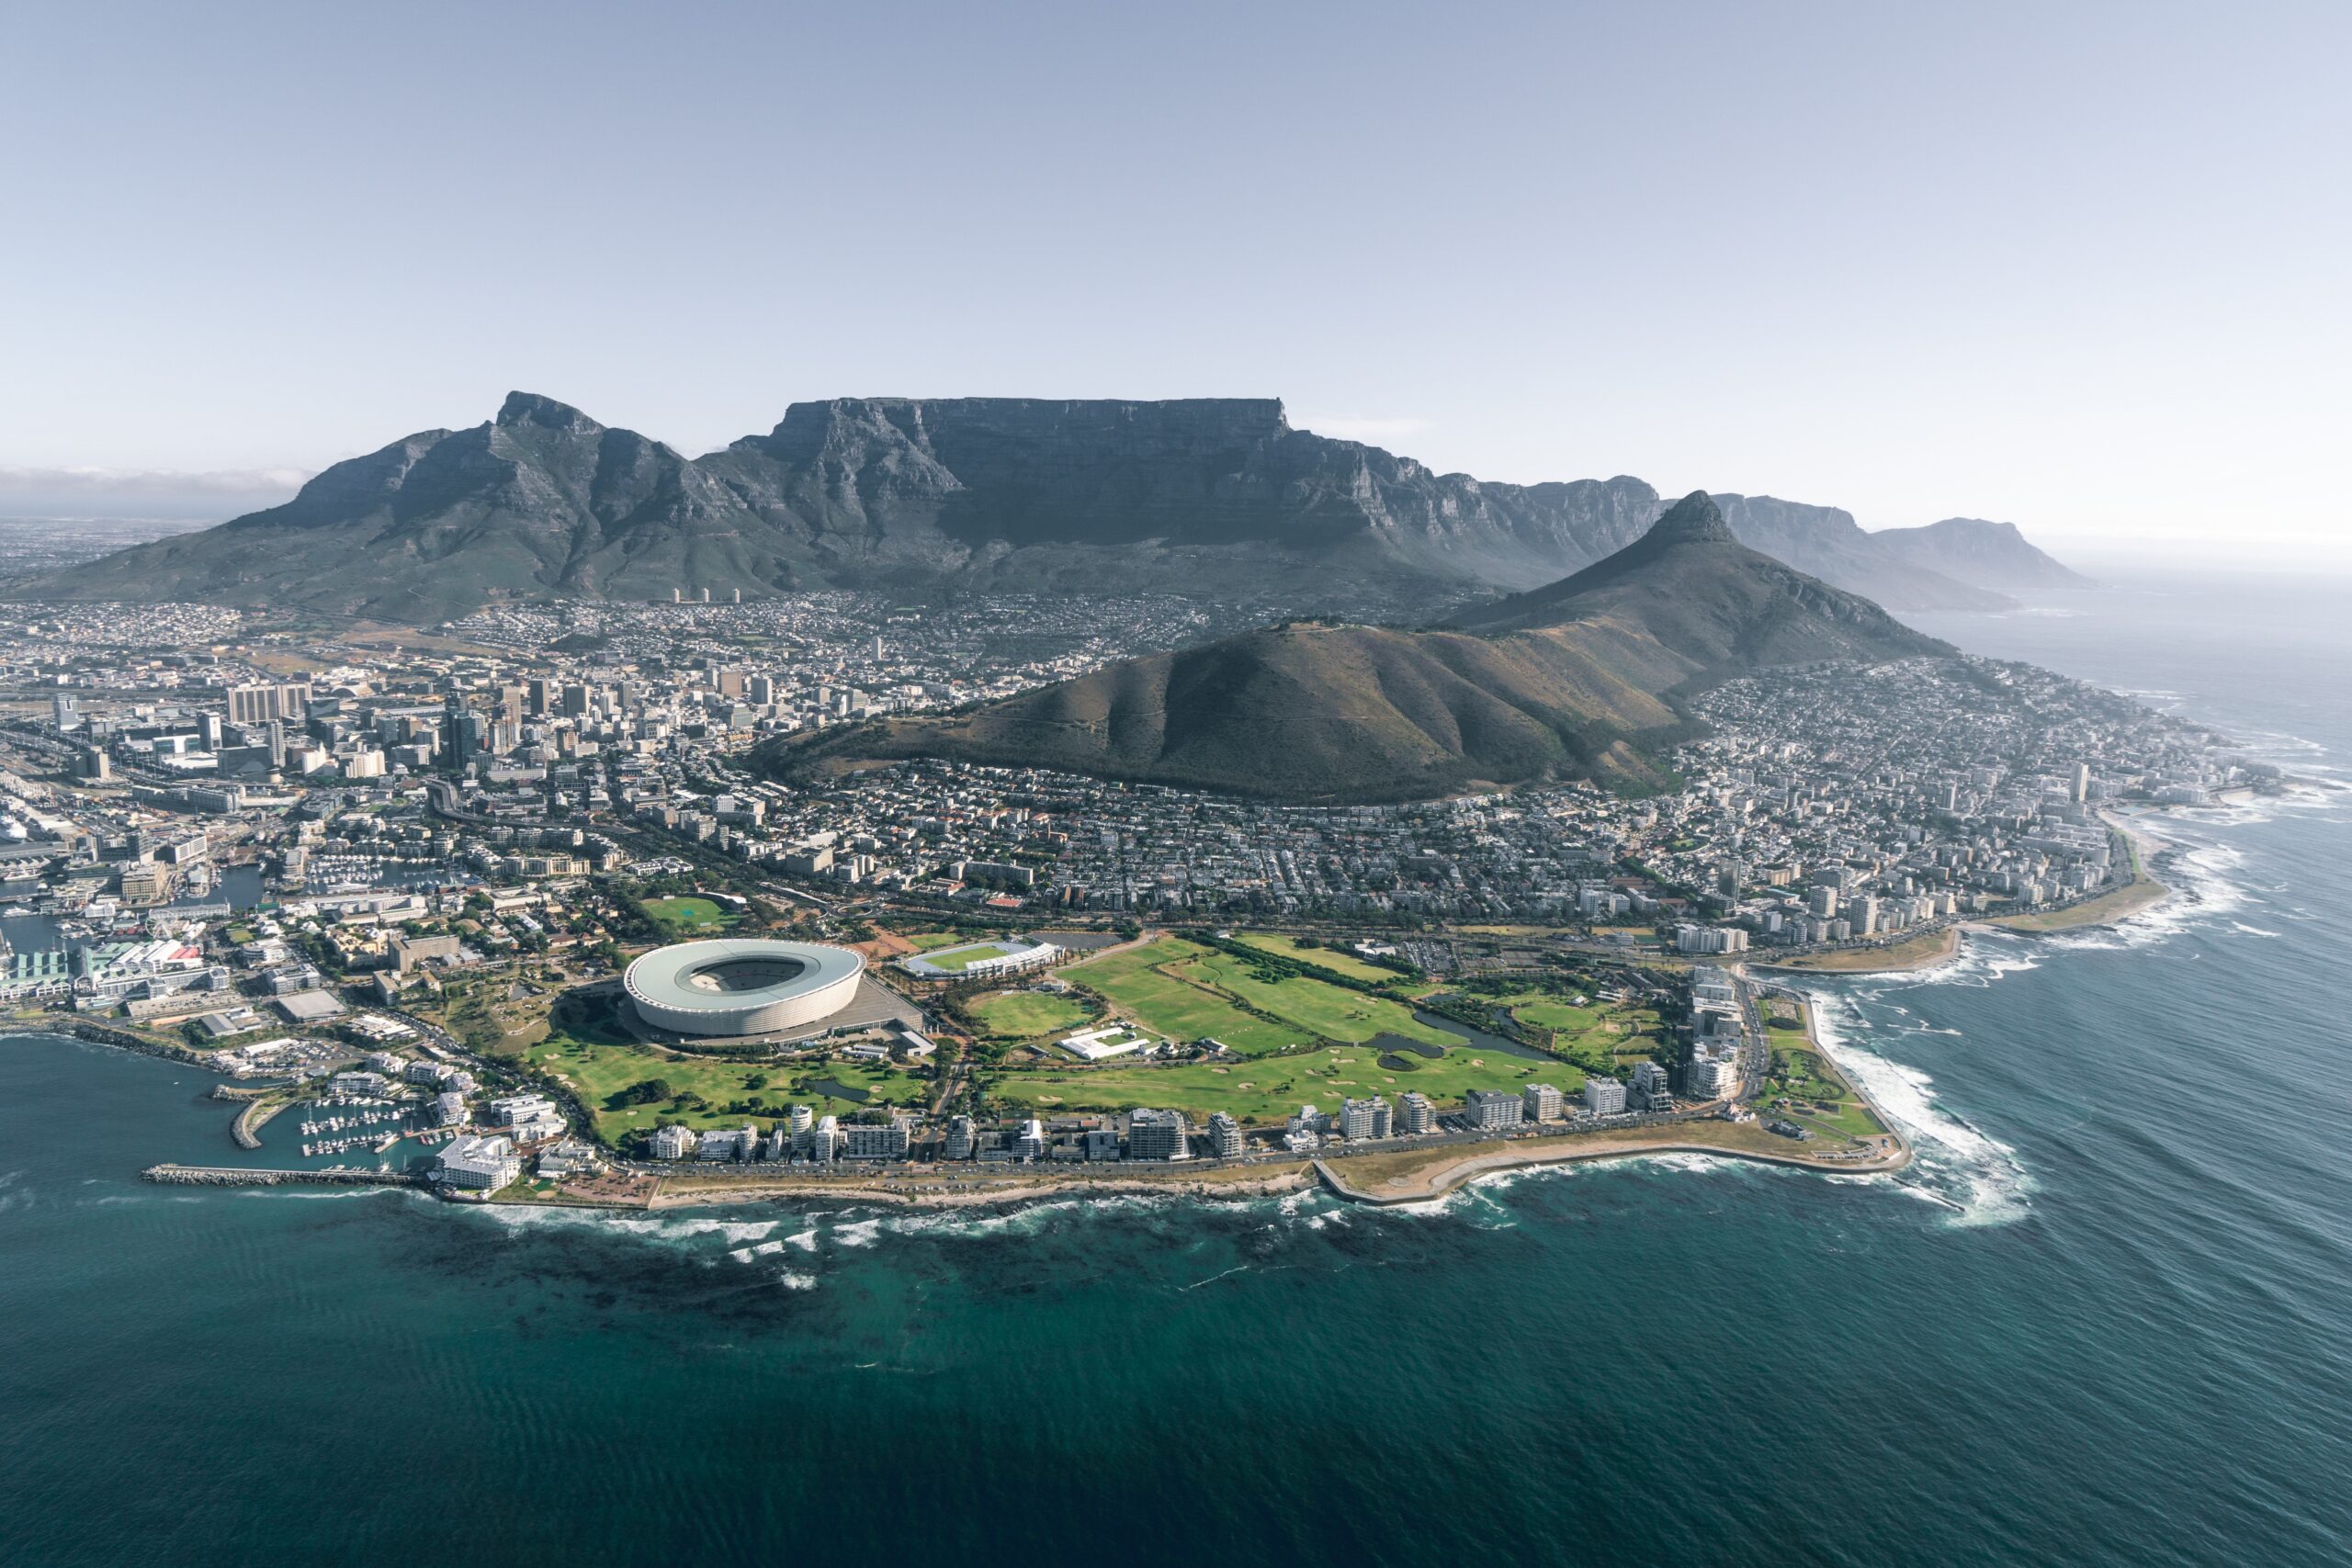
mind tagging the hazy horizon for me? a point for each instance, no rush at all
(2074, 270)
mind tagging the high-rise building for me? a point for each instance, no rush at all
(257, 704)
(888, 1141)
(1710, 1077)
(1030, 1142)
(1363, 1118)
(2082, 790)
(1225, 1137)
(1605, 1096)
(1651, 1091)
(825, 1142)
(962, 1137)
(1541, 1103)
(1492, 1109)
(65, 711)
(1158, 1134)
(1415, 1114)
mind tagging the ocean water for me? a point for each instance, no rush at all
(2105, 1318)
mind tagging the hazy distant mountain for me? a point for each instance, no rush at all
(1990, 554)
(1216, 498)
(1826, 542)
(1572, 680)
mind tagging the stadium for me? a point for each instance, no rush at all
(982, 960)
(746, 987)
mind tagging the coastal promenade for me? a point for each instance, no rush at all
(1386, 1179)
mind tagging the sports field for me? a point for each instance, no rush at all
(687, 916)
(923, 941)
(1269, 1090)
(955, 960)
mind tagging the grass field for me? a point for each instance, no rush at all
(958, 960)
(1800, 1074)
(1171, 1006)
(1321, 1010)
(1028, 1015)
(923, 941)
(1268, 1091)
(597, 1068)
(1186, 992)
(1596, 1033)
(684, 916)
(1338, 962)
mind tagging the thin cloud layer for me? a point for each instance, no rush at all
(143, 492)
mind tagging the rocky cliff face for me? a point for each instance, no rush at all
(965, 480)
(1217, 498)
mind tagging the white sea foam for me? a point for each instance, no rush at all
(1975, 1176)
(857, 1232)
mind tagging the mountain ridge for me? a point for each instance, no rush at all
(1218, 497)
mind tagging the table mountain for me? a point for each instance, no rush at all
(1216, 498)
(1575, 680)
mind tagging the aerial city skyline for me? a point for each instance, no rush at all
(1293, 784)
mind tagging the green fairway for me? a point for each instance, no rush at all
(1322, 1010)
(955, 961)
(1336, 959)
(1185, 991)
(1170, 1007)
(1268, 1089)
(684, 916)
(1028, 1015)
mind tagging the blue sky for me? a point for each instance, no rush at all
(2079, 266)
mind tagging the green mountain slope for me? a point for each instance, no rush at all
(1572, 680)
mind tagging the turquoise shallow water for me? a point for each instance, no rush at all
(2104, 1320)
